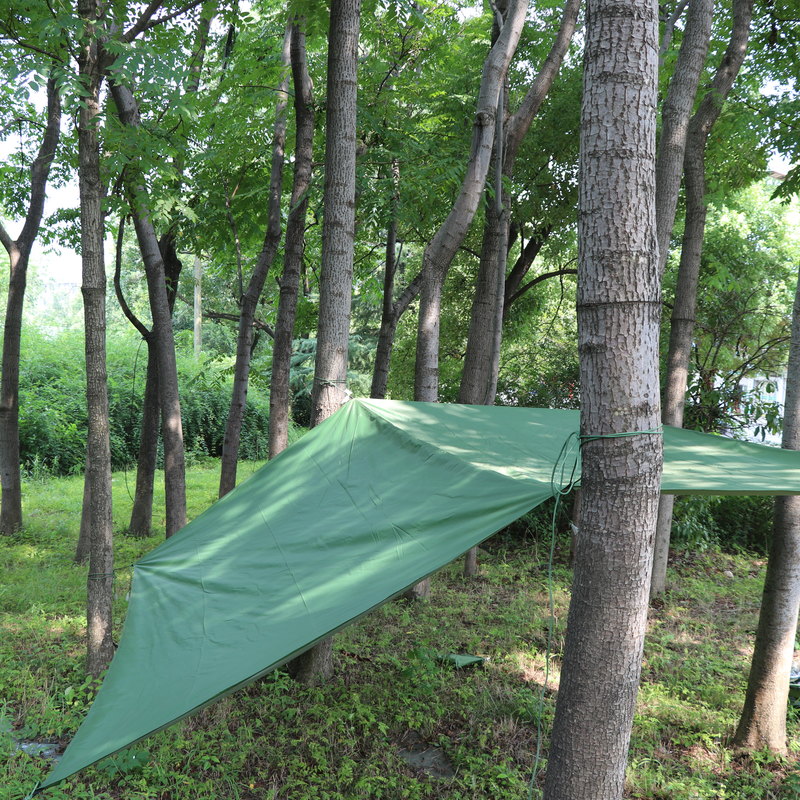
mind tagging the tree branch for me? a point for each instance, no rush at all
(40, 169)
(144, 23)
(5, 239)
(123, 303)
(538, 279)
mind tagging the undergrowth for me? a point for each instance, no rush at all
(391, 696)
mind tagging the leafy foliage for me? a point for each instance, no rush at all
(53, 413)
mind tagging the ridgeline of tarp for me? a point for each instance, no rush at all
(365, 505)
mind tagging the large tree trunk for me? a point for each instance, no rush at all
(682, 327)
(440, 252)
(618, 321)
(338, 231)
(19, 253)
(763, 721)
(244, 340)
(280, 395)
(171, 427)
(100, 583)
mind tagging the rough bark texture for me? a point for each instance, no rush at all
(100, 583)
(618, 322)
(280, 395)
(171, 427)
(338, 231)
(682, 327)
(440, 252)
(763, 721)
(247, 313)
(19, 251)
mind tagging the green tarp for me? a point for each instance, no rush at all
(365, 505)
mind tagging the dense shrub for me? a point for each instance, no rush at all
(53, 418)
(732, 523)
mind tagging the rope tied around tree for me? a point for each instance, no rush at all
(562, 481)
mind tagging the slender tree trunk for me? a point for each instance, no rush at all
(675, 119)
(10, 480)
(442, 249)
(198, 307)
(244, 341)
(19, 253)
(618, 321)
(141, 523)
(280, 396)
(763, 721)
(142, 510)
(98, 459)
(513, 286)
(171, 427)
(682, 327)
(389, 320)
(338, 231)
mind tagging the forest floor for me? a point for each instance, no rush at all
(395, 721)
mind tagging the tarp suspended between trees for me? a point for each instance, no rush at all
(365, 505)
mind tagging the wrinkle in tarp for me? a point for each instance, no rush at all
(365, 505)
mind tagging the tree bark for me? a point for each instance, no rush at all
(141, 523)
(440, 252)
(763, 721)
(171, 427)
(19, 251)
(244, 340)
(197, 308)
(280, 396)
(338, 231)
(618, 321)
(100, 582)
(682, 326)
(675, 116)
(389, 320)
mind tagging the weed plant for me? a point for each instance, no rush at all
(390, 695)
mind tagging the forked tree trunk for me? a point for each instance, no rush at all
(280, 395)
(763, 721)
(683, 312)
(100, 585)
(171, 426)
(618, 322)
(247, 313)
(19, 254)
(389, 320)
(338, 232)
(440, 252)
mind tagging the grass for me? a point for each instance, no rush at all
(346, 740)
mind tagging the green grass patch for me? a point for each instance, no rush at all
(390, 696)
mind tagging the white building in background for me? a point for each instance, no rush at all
(769, 390)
